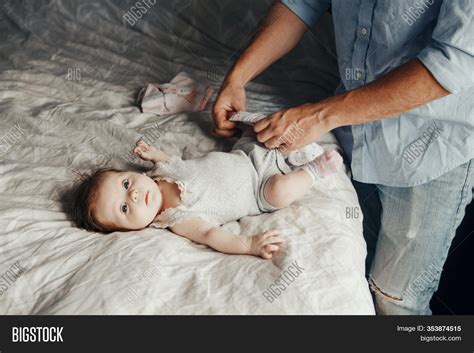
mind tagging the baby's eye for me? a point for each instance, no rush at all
(124, 208)
(126, 184)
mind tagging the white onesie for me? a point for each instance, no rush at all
(220, 187)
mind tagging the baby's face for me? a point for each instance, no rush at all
(126, 201)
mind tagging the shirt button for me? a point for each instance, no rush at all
(364, 31)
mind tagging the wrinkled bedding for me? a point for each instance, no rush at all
(69, 75)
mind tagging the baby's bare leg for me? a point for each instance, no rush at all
(282, 190)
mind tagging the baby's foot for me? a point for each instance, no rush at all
(328, 163)
(305, 154)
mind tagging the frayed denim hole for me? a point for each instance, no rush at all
(377, 289)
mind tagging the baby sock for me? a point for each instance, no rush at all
(305, 154)
(296, 158)
(183, 94)
(328, 163)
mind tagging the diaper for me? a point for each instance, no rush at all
(267, 162)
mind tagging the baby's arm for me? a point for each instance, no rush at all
(150, 153)
(200, 231)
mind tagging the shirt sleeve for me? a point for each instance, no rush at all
(450, 55)
(309, 11)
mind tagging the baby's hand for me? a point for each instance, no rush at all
(265, 244)
(149, 153)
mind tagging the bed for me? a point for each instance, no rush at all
(69, 75)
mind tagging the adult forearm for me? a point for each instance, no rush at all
(279, 32)
(409, 86)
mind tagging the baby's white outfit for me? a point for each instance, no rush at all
(220, 187)
(297, 157)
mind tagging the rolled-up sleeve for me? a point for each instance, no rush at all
(309, 11)
(450, 55)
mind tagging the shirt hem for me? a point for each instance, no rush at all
(412, 184)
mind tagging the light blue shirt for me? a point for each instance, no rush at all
(373, 37)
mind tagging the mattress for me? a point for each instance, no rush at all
(69, 75)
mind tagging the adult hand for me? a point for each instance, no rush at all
(296, 127)
(231, 99)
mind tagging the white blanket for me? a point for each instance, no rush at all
(70, 72)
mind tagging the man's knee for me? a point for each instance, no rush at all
(387, 303)
(408, 294)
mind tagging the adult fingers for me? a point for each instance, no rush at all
(261, 125)
(224, 132)
(221, 120)
(274, 142)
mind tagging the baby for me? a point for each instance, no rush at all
(192, 198)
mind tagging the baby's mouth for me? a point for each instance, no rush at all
(146, 197)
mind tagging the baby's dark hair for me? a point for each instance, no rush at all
(84, 195)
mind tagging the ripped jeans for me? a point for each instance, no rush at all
(408, 233)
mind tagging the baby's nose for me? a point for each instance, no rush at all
(134, 195)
